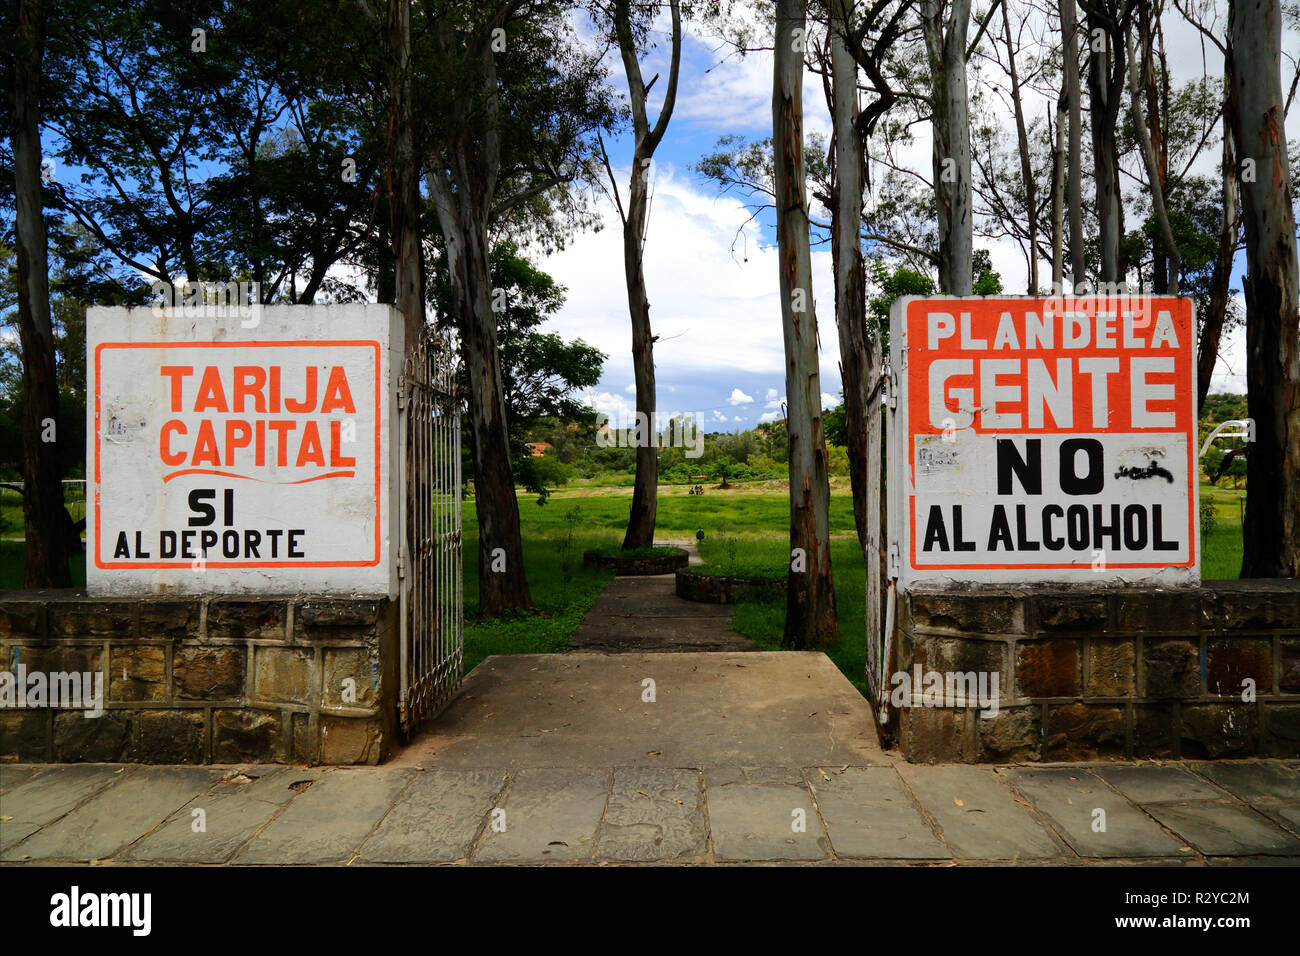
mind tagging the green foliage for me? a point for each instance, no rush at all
(1209, 518)
(837, 460)
(892, 284)
(986, 281)
(540, 372)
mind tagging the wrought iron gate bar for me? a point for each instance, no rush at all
(433, 618)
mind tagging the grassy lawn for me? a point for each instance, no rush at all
(744, 534)
(1221, 548)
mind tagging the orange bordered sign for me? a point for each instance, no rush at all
(1044, 440)
(234, 455)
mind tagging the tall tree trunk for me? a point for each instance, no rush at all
(1026, 167)
(1105, 85)
(46, 524)
(1074, 162)
(810, 605)
(1142, 64)
(1272, 525)
(463, 184)
(404, 173)
(1168, 266)
(858, 358)
(1058, 196)
(945, 41)
(1221, 274)
(645, 491)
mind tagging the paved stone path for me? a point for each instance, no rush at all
(643, 613)
(1192, 813)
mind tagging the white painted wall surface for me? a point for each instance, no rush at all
(319, 461)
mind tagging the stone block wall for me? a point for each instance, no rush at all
(1115, 674)
(301, 680)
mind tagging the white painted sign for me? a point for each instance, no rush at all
(233, 456)
(1044, 440)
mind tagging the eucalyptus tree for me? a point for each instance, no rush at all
(45, 520)
(510, 109)
(810, 593)
(1272, 287)
(630, 23)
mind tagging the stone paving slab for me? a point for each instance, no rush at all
(437, 819)
(1225, 829)
(654, 814)
(233, 811)
(753, 816)
(117, 817)
(290, 815)
(1288, 815)
(869, 815)
(42, 798)
(11, 777)
(1253, 781)
(977, 815)
(1152, 783)
(329, 820)
(1070, 798)
(551, 816)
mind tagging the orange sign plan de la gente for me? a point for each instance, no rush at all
(1046, 439)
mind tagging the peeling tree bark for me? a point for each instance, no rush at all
(46, 524)
(859, 361)
(404, 166)
(1074, 160)
(1272, 288)
(810, 595)
(1167, 276)
(645, 491)
(945, 40)
(1058, 196)
(1221, 276)
(462, 181)
(1107, 27)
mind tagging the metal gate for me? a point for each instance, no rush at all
(429, 547)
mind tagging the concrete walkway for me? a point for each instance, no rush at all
(1187, 814)
(643, 613)
(735, 757)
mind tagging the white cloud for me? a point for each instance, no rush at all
(739, 398)
(773, 399)
(715, 308)
(736, 419)
(829, 401)
(630, 388)
(618, 408)
(769, 416)
(719, 416)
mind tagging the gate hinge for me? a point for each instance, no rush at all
(401, 393)
(401, 563)
(891, 388)
(894, 561)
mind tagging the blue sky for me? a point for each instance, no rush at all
(713, 297)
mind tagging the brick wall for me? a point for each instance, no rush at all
(1107, 674)
(206, 681)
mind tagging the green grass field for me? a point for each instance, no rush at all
(744, 534)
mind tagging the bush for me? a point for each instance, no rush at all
(551, 471)
(1209, 518)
